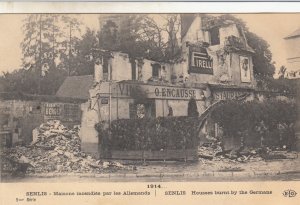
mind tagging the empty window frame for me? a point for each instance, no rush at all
(214, 36)
(155, 69)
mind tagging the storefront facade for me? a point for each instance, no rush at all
(156, 100)
(216, 65)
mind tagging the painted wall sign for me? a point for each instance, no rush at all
(245, 69)
(161, 92)
(174, 92)
(200, 61)
(228, 94)
(66, 112)
(52, 109)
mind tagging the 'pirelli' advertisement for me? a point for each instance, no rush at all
(200, 61)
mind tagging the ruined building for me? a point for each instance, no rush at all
(292, 42)
(216, 65)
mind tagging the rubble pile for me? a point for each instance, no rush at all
(209, 151)
(214, 152)
(57, 149)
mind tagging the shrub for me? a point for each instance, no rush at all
(284, 86)
(192, 108)
(152, 134)
(270, 120)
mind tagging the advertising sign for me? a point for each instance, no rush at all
(228, 94)
(52, 111)
(160, 92)
(199, 61)
(245, 69)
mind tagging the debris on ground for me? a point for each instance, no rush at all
(209, 151)
(214, 152)
(20, 165)
(230, 169)
(56, 149)
(273, 154)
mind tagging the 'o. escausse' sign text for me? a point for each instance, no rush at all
(175, 92)
(151, 91)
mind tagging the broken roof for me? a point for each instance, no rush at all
(186, 21)
(76, 87)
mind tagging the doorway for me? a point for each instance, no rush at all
(142, 109)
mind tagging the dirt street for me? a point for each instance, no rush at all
(283, 170)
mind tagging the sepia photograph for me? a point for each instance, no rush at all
(141, 97)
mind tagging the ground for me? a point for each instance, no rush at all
(55, 155)
(283, 169)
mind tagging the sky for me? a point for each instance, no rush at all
(271, 27)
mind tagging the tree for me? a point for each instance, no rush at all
(84, 63)
(24, 81)
(39, 43)
(282, 72)
(172, 28)
(123, 37)
(49, 40)
(263, 65)
(48, 49)
(108, 36)
(192, 108)
(68, 52)
(271, 121)
(142, 36)
(35, 50)
(151, 36)
(129, 39)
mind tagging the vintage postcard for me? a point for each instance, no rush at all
(116, 103)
